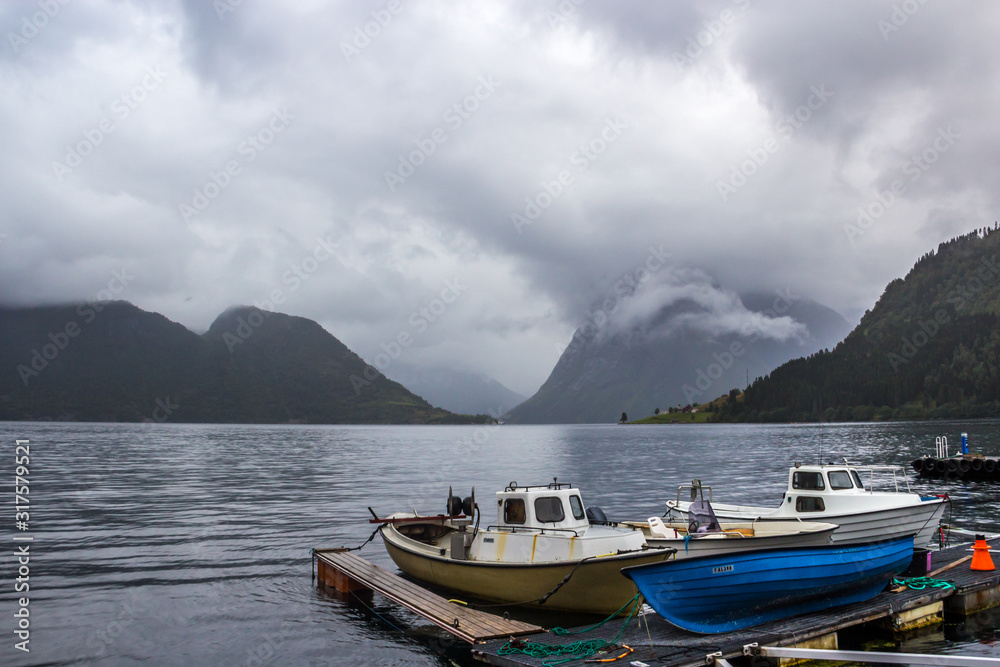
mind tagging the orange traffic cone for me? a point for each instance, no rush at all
(981, 555)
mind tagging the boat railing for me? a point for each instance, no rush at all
(576, 532)
(730, 533)
(695, 489)
(554, 485)
(941, 445)
(897, 472)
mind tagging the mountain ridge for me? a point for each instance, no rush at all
(928, 348)
(600, 375)
(112, 361)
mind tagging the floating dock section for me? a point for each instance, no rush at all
(964, 466)
(961, 465)
(348, 573)
(656, 642)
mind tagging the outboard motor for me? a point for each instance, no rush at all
(596, 516)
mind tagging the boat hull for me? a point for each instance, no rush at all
(920, 520)
(594, 587)
(722, 593)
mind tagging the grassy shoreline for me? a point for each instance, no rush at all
(676, 418)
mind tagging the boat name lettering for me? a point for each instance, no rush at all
(723, 568)
(488, 540)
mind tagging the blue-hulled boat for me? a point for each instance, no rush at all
(721, 593)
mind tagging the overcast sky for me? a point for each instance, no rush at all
(508, 167)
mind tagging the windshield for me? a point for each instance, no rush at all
(839, 480)
(549, 509)
(812, 481)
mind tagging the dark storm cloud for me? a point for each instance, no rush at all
(530, 161)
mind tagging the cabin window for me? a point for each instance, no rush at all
(809, 504)
(513, 510)
(839, 479)
(857, 479)
(809, 481)
(577, 506)
(549, 509)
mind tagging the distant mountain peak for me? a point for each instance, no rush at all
(112, 361)
(456, 390)
(680, 352)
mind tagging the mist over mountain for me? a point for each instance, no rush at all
(929, 348)
(699, 343)
(457, 391)
(111, 361)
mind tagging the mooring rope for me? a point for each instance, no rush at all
(370, 538)
(576, 650)
(922, 583)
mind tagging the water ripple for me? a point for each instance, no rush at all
(190, 544)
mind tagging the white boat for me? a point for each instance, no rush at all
(702, 534)
(542, 550)
(838, 494)
(733, 536)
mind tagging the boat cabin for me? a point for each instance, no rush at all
(548, 524)
(812, 488)
(556, 506)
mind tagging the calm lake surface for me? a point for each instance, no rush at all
(190, 544)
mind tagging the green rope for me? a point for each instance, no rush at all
(921, 583)
(576, 650)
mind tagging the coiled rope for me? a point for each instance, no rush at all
(575, 650)
(921, 583)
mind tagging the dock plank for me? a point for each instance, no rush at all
(471, 625)
(397, 588)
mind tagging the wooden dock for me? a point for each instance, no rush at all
(656, 642)
(348, 573)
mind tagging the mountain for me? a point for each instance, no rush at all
(457, 391)
(639, 370)
(929, 348)
(112, 361)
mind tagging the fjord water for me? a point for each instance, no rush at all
(178, 544)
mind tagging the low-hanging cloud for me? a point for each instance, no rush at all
(536, 84)
(686, 299)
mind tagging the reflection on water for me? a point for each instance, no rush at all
(189, 544)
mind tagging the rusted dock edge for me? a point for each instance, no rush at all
(348, 573)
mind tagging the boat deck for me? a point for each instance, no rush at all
(348, 572)
(663, 645)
